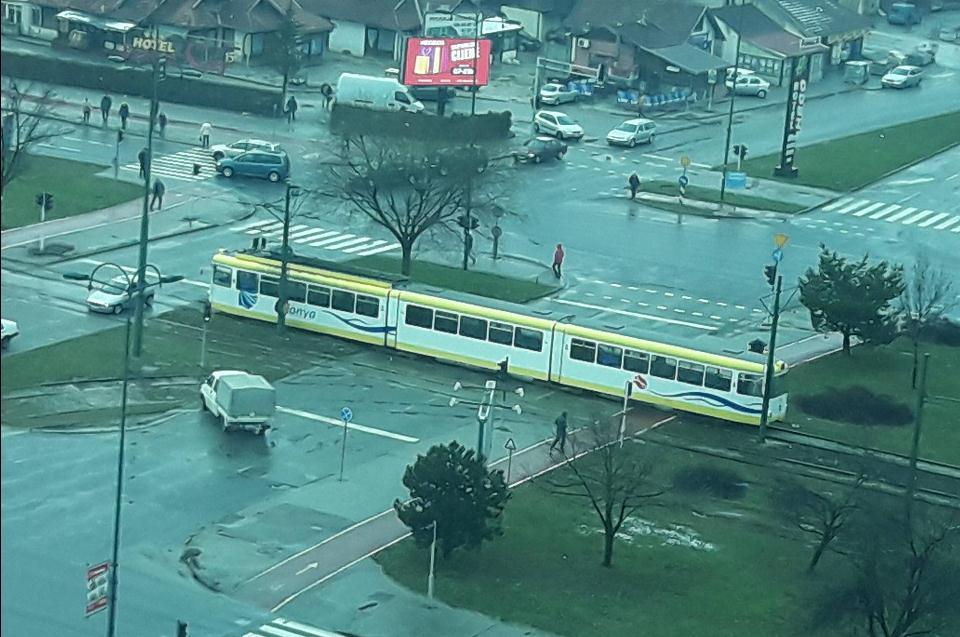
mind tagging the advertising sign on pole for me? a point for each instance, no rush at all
(446, 62)
(97, 587)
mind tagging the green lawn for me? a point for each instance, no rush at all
(488, 284)
(694, 566)
(852, 162)
(713, 195)
(75, 187)
(887, 370)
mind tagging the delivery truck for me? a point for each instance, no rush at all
(375, 93)
(239, 400)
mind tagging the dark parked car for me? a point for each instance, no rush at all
(537, 149)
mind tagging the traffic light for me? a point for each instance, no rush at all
(207, 311)
(181, 629)
(736, 149)
(743, 151)
(770, 272)
(162, 69)
(44, 199)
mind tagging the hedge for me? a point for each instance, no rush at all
(127, 80)
(457, 129)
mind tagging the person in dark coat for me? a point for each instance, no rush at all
(327, 91)
(158, 190)
(558, 260)
(560, 438)
(124, 113)
(291, 109)
(634, 182)
(105, 104)
(142, 158)
(162, 121)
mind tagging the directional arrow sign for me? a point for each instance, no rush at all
(309, 566)
(683, 180)
(346, 415)
(777, 255)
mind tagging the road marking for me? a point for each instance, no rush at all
(329, 237)
(668, 294)
(946, 224)
(64, 148)
(704, 300)
(307, 235)
(256, 224)
(917, 217)
(649, 291)
(387, 248)
(132, 270)
(836, 204)
(852, 206)
(365, 246)
(660, 157)
(339, 423)
(615, 285)
(932, 220)
(661, 307)
(346, 243)
(863, 212)
(625, 300)
(900, 215)
(651, 317)
(883, 213)
(721, 304)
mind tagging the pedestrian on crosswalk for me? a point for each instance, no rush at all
(144, 160)
(105, 104)
(634, 182)
(205, 130)
(291, 109)
(124, 113)
(162, 120)
(86, 109)
(158, 190)
(560, 437)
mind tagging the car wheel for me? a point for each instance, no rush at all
(148, 300)
(762, 94)
(117, 309)
(560, 135)
(537, 159)
(536, 127)
(559, 156)
(228, 172)
(217, 156)
(651, 138)
(632, 143)
(274, 176)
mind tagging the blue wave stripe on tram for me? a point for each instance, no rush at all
(358, 325)
(710, 399)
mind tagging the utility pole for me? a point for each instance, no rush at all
(917, 423)
(733, 95)
(467, 226)
(284, 262)
(477, 22)
(771, 362)
(159, 67)
(433, 561)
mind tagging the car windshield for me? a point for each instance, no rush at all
(627, 127)
(114, 286)
(900, 72)
(551, 88)
(565, 120)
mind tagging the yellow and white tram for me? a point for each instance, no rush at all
(471, 332)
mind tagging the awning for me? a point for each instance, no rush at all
(689, 58)
(104, 24)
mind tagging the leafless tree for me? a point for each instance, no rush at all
(407, 187)
(823, 515)
(926, 297)
(611, 476)
(26, 122)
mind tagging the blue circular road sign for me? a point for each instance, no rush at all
(683, 180)
(346, 415)
(777, 255)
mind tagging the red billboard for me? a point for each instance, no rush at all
(446, 62)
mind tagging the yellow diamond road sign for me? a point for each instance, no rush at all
(684, 161)
(780, 239)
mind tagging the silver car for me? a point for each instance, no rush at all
(558, 124)
(117, 295)
(902, 77)
(748, 85)
(633, 132)
(220, 151)
(556, 94)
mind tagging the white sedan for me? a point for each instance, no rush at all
(902, 77)
(9, 330)
(557, 94)
(220, 151)
(558, 124)
(748, 85)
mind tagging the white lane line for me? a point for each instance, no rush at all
(932, 220)
(836, 204)
(704, 300)
(660, 157)
(863, 212)
(339, 423)
(697, 313)
(662, 308)
(957, 229)
(637, 315)
(900, 215)
(721, 304)
(917, 217)
(668, 294)
(625, 300)
(329, 237)
(686, 298)
(716, 318)
(306, 235)
(946, 224)
(740, 307)
(304, 628)
(679, 311)
(387, 248)
(257, 224)
(649, 291)
(642, 304)
(615, 285)
(344, 244)
(365, 246)
(883, 213)
(852, 206)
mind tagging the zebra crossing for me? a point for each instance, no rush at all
(895, 213)
(179, 165)
(322, 238)
(285, 628)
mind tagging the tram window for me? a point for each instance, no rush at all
(368, 306)
(419, 316)
(222, 276)
(529, 339)
(318, 296)
(270, 286)
(473, 328)
(445, 322)
(501, 333)
(636, 361)
(296, 291)
(691, 373)
(609, 355)
(663, 367)
(581, 350)
(717, 378)
(750, 385)
(343, 300)
(247, 281)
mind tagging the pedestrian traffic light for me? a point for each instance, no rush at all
(770, 272)
(47, 201)
(743, 151)
(162, 68)
(181, 629)
(736, 149)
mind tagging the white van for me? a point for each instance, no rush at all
(376, 93)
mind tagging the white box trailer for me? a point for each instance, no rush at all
(239, 400)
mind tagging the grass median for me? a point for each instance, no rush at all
(711, 195)
(852, 162)
(887, 370)
(75, 187)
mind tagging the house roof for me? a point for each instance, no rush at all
(816, 18)
(249, 16)
(557, 7)
(646, 23)
(398, 15)
(691, 59)
(759, 29)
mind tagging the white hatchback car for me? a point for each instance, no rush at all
(749, 85)
(220, 151)
(902, 77)
(558, 124)
(633, 132)
(556, 94)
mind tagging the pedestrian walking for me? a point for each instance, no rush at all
(105, 104)
(291, 109)
(205, 130)
(158, 190)
(327, 91)
(87, 110)
(144, 160)
(634, 182)
(162, 120)
(558, 260)
(560, 437)
(124, 113)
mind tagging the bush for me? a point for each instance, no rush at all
(941, 331)
(710, 480)
(456, 129)
(857, 405)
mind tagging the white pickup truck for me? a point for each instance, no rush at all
(239, 400)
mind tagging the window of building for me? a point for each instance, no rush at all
(343, 300)
(525, 338)
(473, 328)
(319, 296)
(296, 291)
(636, 361)
(717, 378)
(368, 306)
(222, 275)
(663, 367)
(270, 286)
(750, 384)
(445, 322)
(581, 350)
(247, 281)
(419, 316)
(691, 373)
(609, 355)
(501, 333)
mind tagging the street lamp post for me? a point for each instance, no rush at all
(291, 191)
(485, 410)
(733, 95)
(477, 22)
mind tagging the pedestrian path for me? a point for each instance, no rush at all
(180, 165)
(285, 628)
(895, 213)
(322, 238)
